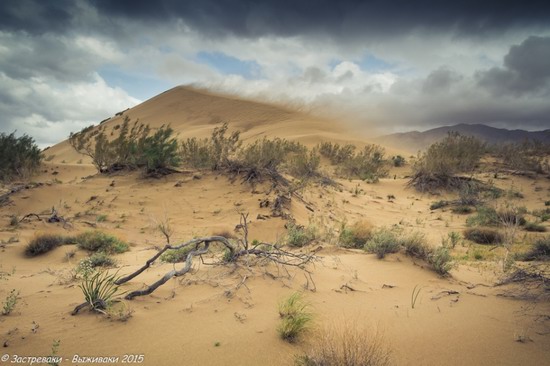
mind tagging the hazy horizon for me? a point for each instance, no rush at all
(386, 67)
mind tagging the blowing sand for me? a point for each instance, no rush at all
(226, 315)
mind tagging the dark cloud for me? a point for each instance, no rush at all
(253, 18)
(526, 69)
(440, 80)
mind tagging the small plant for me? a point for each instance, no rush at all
(176, 255)
(346, 344)
(414, 296)
(439, 204)
(484, 235)
(295, 317)
(44, 243)
(534, 227)
(99, 259)
(547, 203)
(120, 311)
(539, 252)
(415, 245)
(440, 260)
(383, 241)
(355, 236)
(99, 290)
(454, 238)
(298, 236)
(14, 221)
(55, 350)
(10, 302)
(462, 210)
(97, 241)
(101, 218)
(398, 161)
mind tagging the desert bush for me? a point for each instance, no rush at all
(223, 147)
(489, 216)
(133, 148)
(44, 243)
(296, 317)
(441, 261)
(398, 161)
(382, 242)
(539, 252)
(10, 302)
(534, 227)
(176, 255)
(468, 195)
(346, 344)
(336, 153)
(20, 157)
(524, 156)
(305, 164)
(356, 235)
(415, 245)
(195, 153)
(299, 236)
(484, 235)
(99, 290)
(439, 204)
(462, 210)
(97, 241)
(436, 168)
(99, 259)
(368, 164)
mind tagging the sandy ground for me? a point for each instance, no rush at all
(221, 315)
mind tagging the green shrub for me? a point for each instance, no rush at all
(11, 301)
(439, 204)
(534, 227)
(97, 241)
(382, 242)
(20, 157)
(483, 235)
(337, 154)
(195, 153)
(295, 316)
(159, 152)
(99, 259)
(539, 252)
(415, 246)
(398, 161)
(441, 261)
(305, 164)
(299, 236)
(355, 236)
(526, 156)
(436, 168)
(176, 255)
(368, 164)
(44, 243)
(462, 210)
(488, 216)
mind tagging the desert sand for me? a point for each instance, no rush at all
(226, 315)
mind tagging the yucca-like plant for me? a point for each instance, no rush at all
(99, 290)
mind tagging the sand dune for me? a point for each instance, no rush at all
(206, 317)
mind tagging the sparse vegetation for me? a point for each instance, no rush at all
(134, 147)
(346, 344)
(382, 242)
(462, 210)
(97, 241)
(296, 317)
(437, 167)
(99, 290)
(398, 161)
(539, 252)
(439, 204)
(99, 259)
(44, 243)
(356, 235)
(534, 227)
(20, 157)
(10, 302)
(441, 261)
(299, 236)
(484, 235)
(176, 255)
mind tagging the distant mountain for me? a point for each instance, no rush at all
(414, 140)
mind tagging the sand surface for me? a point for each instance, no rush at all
(226, 315)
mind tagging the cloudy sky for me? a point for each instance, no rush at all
(385, 65)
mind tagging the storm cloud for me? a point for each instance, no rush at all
(387, 66)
